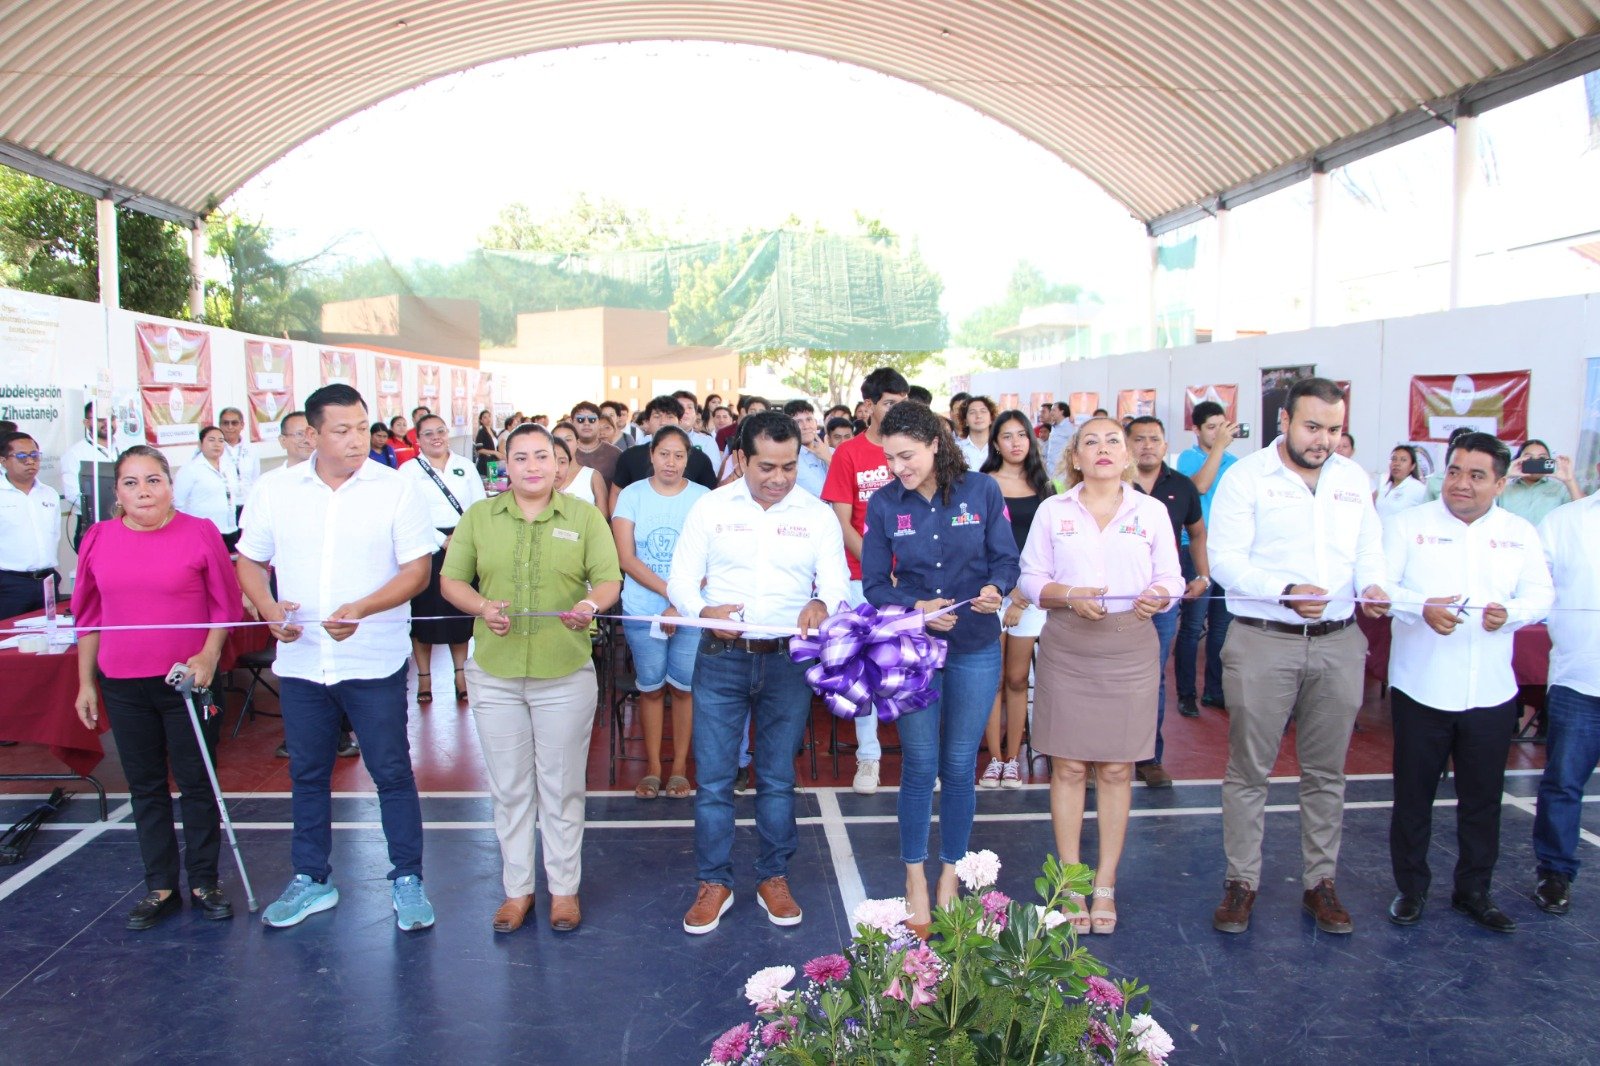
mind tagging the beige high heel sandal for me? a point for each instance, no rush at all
(1101, 922)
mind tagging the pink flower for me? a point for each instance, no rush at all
(994, 910)
(1104, 993)
(731, 1046)
(919, 995)
(922, 966)
(825, 968)
(1100, 1035)
(779, 1032)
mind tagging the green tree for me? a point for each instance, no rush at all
(49, 244)
(1028, 287)
(261, 293)
(602, 225)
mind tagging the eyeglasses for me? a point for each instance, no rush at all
(231, 422)
(297, 436)
(26, 457)
(434, 433)
(586, 418)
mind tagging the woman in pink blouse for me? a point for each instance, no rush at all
(1102, 560)
(152, 565)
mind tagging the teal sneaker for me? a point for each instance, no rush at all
(411, 907)
(303, 898)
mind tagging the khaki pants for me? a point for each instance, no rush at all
(535, 737)
(1268, 678)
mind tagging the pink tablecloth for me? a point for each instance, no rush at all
(36, 697)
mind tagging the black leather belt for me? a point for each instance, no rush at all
(31, 575)
(1309, 629)
(754, 647)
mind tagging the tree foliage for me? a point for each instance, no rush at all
(602, 225)
(1028, 287)
(49, 244)
(261, 294)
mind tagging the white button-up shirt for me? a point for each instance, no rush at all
(330, 548)
(460, 477)
(774, 560)
(84, 451)
(1497, 559)
(1570, 535)
(30, 526)
(244, 464)
(1392, 499)
(209, 492)
(1268, 530)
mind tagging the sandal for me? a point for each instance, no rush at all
(648, 788)
(1103, 923)
(461, 686)
(1078, 918)
(424, 695)
(678, 787)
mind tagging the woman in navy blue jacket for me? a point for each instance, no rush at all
(939, 535)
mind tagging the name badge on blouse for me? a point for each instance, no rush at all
(564, 534)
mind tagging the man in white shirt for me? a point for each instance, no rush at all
(349, 543)
(1464, 576)
(1294, 538)
(1569, 535)
(94, 449)
(769, 554)
(30, 527)
(242, 461)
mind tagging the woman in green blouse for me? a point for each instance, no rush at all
(534, 549)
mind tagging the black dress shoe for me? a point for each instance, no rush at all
(1554, 893)
(211, 903)
(1406, 910)
(1481, 909)
(150, 910)
(1187, 707)
(1212, 701)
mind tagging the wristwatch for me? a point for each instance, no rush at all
(1204, 577)
(1283, 597)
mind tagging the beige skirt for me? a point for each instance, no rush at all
(1095, 687)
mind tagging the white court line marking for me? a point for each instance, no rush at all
(1528, 806)
(845, 869)
(62, 852)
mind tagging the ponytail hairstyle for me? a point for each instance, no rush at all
(920, 424)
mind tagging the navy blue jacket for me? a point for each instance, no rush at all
(941, 551)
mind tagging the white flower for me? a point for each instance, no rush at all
(884, 915)
(1049, 919)
(1150, 1038)
(978, 869)
(765, 988)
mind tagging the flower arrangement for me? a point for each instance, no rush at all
(999, 982)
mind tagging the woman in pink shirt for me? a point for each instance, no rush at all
(152, 565)
(1101, 558)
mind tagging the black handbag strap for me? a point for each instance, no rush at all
(437, 480)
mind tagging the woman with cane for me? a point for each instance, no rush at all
(151, 565)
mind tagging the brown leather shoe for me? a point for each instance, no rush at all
(512, 913)
(1153, 775)
(773, 895)
(710, 904)
(1233, 913)
(564, 913)
(1322, 903)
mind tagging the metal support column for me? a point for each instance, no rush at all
(1223, 327)
(1463, 186)
(105, 217)
(1316, 301)
(197, 284)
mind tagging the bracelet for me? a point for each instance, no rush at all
(591, 603)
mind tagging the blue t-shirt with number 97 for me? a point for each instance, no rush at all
(656, 521)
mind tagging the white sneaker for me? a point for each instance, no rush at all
(1011, 775)
(866, 781)
(991, 774)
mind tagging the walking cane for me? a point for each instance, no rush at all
(181, 679)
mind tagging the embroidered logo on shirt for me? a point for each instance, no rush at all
(1505, 544)
(1346, 496)
(1134, 529)
(792, 531)
(734, 527)
(902, 527)
(1067, 528)
(1433, 539)
(965, 518)
(564, 534)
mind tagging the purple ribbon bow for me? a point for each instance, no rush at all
(867, 658)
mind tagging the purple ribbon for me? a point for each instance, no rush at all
(870, 659)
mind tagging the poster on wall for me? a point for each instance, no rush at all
(1009, 401)
(1275, 382)
(1226, 395)
(1588, 452)
(458, 400)
(391, 402)
(1136, 403)
(30, 394)
(1083, 406)
(173, 414)
(172, 355)
(428, 387)
(1494, 403)
(483, 393)
(338, 366)
(1038, 401)
(269, 366)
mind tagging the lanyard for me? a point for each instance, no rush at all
(437, 480)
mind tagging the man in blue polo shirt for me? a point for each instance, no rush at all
(1204, 463)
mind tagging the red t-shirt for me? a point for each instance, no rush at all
(859, 468)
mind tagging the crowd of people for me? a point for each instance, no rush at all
(1069, 556)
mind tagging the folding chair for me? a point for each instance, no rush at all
(256, 664)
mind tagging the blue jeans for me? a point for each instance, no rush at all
(942, 739)
(659, 662)
(1570, 755)
(1196, 616)
(1166, 624)
(377, 710)
(730, 684)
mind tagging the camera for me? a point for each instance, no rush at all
(1242, 430)
(1532, 465)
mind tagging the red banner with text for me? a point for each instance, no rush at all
(1494, 403)
(270, 385)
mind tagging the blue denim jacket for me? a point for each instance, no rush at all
(936, 550)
